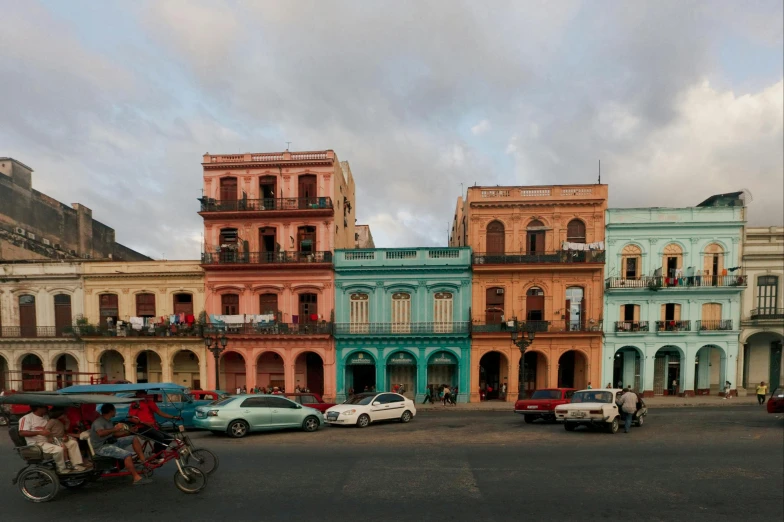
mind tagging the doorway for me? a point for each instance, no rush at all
(534, 238)
(494, 305)
(492, 374)
(268, 189)
(307, 191)
(495, 238)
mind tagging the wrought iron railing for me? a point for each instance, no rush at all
(33, 331)
(673, 326)
(559, 257)
(322, 328)
(229, 257)
(716, 324)
(758, 314)
(657, 282)
(631, 326)
(456, 327)
(265, 204)
(127, 330)
(560, 326)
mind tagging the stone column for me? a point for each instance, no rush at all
(473, 395)
(513, 386)
(250, 370)
(130, 368)
(687, 372)
(166, 365)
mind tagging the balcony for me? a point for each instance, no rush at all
(673, 326)
(269, 207)
(557, 257)
(479, 327)
(272, 329)
(720, 325)
(658, 282)
(232, 259)
(87, 331)
(456, 327)
(767, 314)
(25, 332)
(631, 326)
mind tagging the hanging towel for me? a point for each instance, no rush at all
(314, 318)
(137, 323)
(190, 319)
(233, 319)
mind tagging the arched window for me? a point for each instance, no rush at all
(495, 238)
(443, 312)
(672, 262)
(268, 304)
(713, 263)
(62, 313)
(494, 305)
(631, 262)
(308, 308)
(535, 237)
(108, 309)
(359, 313)
(27, 320)
(145, 305)
(575, 308)
(230, 304)
(534, 304)
(401, 312)
(575, 231)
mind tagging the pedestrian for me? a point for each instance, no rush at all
(401, 389)
(589, 385)
(453, 396)
(239, 390)
(441, 393)
(373, 389)
(428, 394)
(762, 390)
(367, 389)
(628, 405)
(727, 390)
(351, 392)
(620, 384)
(447, 395)
(244, 389)
(608, 385)
(395, 388)
(503, 391)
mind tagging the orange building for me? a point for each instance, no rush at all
(538, 257)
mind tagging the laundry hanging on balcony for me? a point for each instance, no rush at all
(598, 245)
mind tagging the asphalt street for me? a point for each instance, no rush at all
(698, 464)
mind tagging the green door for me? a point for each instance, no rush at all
(775, 366)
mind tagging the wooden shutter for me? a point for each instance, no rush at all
(711, 312)
(228, 189)
(636, 312)
(308, 307)
(183, 304)
(107, 304)
(575, 231)
(230, 304)
(27, 320)
(495, 238)
(494, 305)
(268, 303)
(145, 305)
(62, 313)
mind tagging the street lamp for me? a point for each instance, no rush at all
(216, 345)
(522, 342)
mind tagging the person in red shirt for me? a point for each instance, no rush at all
(143, 412)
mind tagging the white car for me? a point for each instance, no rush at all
(591, 408)
(364, 408)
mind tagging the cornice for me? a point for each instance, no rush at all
(245, 165)
(155, 275)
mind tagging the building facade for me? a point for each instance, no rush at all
(762, 323)
(38, 304)
(672, 297)
(402, 317)
(538, 257)
(141, 322)
(271, 224)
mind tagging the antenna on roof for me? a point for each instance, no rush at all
(600, 172)
(288, 144)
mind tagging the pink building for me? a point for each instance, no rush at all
(271, 223)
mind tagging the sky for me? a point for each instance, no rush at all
(114, 103)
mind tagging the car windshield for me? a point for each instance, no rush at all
(362, 400)
(588, 396)
(222, 402)
(546, 394)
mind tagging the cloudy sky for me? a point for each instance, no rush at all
(113, 103)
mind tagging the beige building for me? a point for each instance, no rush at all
(762, 323)
(38, 304)
(141, 321)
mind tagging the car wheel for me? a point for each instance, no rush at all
(613, 426)
(310, 424)
(406, 417)
(640, 422)
(363, 421)
(237, 429)
(569, 427)
(528, 419)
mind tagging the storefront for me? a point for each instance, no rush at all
(402, 370)
(360, 373)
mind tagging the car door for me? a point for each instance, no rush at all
(396, 406)
(284, 413)
(256, 412)
(379, 408)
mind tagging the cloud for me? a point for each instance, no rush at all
(114, 104)
(480, 128)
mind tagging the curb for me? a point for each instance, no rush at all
(510, 409)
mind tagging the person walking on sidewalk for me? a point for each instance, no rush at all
(428, 394)
(447, 395)
(762, 391)
(727, 390)
(628, 404)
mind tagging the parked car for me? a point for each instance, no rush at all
(596, 408)
(542, 403)
(776, 401)
(362, 409)
(238, 415)
(311, 400)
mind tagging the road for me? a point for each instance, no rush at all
(707, 464)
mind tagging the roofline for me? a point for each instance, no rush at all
(16, 161)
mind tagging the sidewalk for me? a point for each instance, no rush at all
(702, 401)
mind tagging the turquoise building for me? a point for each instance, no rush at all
(402, 316)
(672, 302)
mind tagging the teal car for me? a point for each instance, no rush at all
(239, 415)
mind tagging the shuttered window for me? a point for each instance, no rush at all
(401, 312)
(575, 231)
(443, 312)
(62, 313)
(27, 320)
(230, 304)
(107, 304)
(359, 313)
(183, 304)
(268, 304)
(145, 305)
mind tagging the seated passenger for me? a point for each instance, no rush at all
(57, 426)
(102, 438)
(33, 428)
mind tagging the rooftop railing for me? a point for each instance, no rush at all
(230, 257)
(557, 257)
(695, 281)
(266, 204)
(456, 327)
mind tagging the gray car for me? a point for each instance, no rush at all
(239, 415)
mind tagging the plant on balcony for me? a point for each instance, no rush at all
(654, 285)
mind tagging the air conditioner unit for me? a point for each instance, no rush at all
(31, 235)
(45, 241)
(19, 231)
(499, 291)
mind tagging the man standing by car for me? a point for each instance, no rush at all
(628, 404)
(112, 441)
(33, 428)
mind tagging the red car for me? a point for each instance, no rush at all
(206, 395)
(311, 400)
(542, 403)
(776, 401)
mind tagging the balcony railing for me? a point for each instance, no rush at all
(264, 258)
(631, 326)
(658, 282)
(715, 325)
(434, 328)
(761, 314)
(539, 326)
(557, 257)
(175, 330)
(673, 326)
(275, 328)
(33, 331)
(266, 204)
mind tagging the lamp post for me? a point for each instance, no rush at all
(522, 342)
(216, 345)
